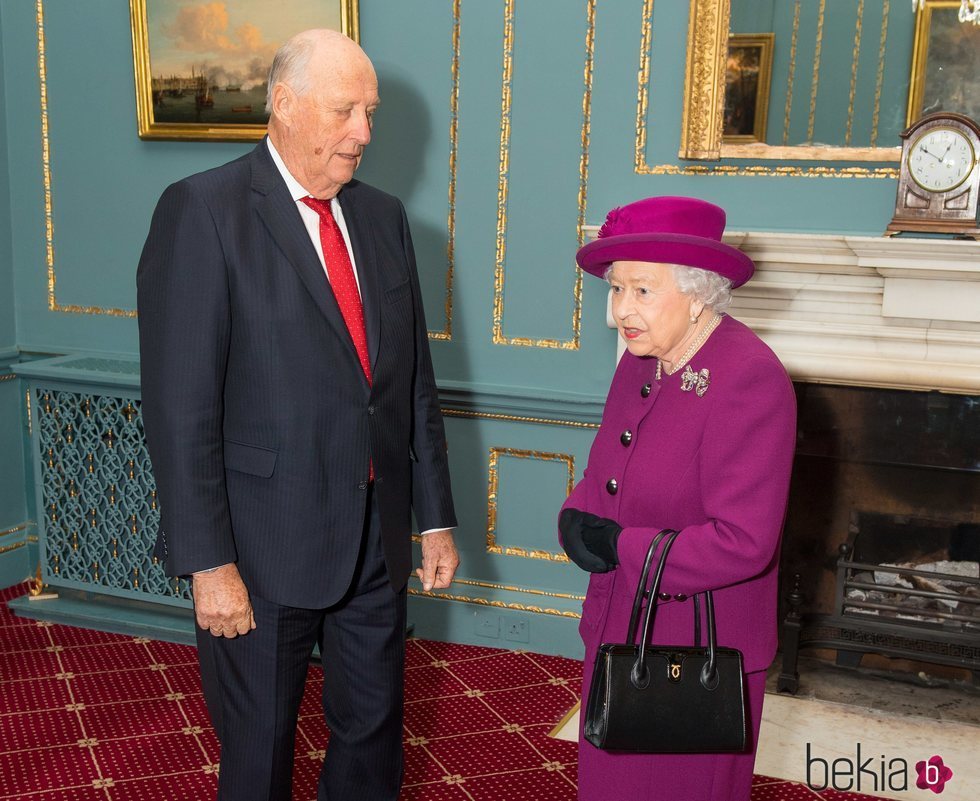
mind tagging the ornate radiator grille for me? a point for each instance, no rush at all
(98, 497)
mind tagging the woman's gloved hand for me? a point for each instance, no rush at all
(589, 540)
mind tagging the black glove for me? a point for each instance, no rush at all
(589, 540)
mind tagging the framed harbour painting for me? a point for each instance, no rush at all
(202, 66)
(945, 63)
(748, 72)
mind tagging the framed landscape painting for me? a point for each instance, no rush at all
(202, 65)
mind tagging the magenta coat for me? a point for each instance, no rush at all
(716, 467)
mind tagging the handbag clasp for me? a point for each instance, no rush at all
(673, 668)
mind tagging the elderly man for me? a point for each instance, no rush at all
(292, 419)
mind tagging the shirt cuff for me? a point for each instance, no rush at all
(430, 530)
(209, 570)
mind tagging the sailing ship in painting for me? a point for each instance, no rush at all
(203, 98)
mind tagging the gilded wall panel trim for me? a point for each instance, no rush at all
(443, 596)
(503, 186)
(14, 547)
(492, 485)
(854, 72)
(23, 526)
(53, 304)
(815, 80)
(516, 418)
(701, 120)
(509, 588)
(881, 72)
(7, 377)
(495, 603)
(446, 334)
(794, 40)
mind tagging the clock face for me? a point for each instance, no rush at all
(940, 159)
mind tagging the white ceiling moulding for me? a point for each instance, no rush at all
(868, 311)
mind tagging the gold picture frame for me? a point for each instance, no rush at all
(200, 67)
(704, 99)
(748, 74)
(945, 63)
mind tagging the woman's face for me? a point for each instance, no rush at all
(652, 315)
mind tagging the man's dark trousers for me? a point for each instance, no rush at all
(362, 644)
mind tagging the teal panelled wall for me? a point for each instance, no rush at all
(13, 517)
(544, 139)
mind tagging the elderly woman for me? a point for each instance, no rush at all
(697, 435)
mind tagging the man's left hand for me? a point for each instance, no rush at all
(439, 560)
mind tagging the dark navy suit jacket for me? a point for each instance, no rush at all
(258, 418)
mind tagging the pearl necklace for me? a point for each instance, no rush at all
(697, 343)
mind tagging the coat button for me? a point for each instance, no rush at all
(645, 392)
(664, 596)
(680, 597)
(612, 486)
(626, 438)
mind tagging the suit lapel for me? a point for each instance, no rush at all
(365, 261)
(280, 215)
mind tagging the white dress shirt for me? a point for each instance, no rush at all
(310, 218)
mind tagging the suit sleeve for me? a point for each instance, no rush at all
(184, 331)
(432, 499)
(746, 459)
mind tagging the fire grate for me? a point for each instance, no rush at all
(906, 587)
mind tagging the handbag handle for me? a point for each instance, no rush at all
(641, 587)
(640, 674)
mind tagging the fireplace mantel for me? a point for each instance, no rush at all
(870, 311)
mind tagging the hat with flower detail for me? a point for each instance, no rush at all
(670, 230)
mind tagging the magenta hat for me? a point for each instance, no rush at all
(671, 230)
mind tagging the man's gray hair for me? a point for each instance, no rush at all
(289, 66)
(708, 287)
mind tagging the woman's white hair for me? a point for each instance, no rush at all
(289, 66)
(706, 286)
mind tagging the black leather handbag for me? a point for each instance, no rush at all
(666, 699)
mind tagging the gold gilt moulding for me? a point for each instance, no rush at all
(492, 487)
(702, 116)
(503, 186)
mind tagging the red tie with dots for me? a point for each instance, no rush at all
(342, 281)
(344, 285)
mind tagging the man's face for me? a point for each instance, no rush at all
(332, 125)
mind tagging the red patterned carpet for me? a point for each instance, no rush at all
(90, 716)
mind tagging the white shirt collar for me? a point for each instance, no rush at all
(296, 190)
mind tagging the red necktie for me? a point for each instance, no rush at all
(344, 285)
(342, 281)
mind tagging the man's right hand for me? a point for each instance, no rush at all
(221, 602)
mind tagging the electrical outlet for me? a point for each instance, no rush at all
(517, 629)
(487, 625)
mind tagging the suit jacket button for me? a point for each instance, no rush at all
(680, 597)
(612, 486)
(362, 485)
(370, 410)
(645, 392)
(626, 438)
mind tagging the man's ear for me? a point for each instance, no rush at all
(283, 103)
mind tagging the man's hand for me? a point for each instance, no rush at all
(439, 560)
(221, 602)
